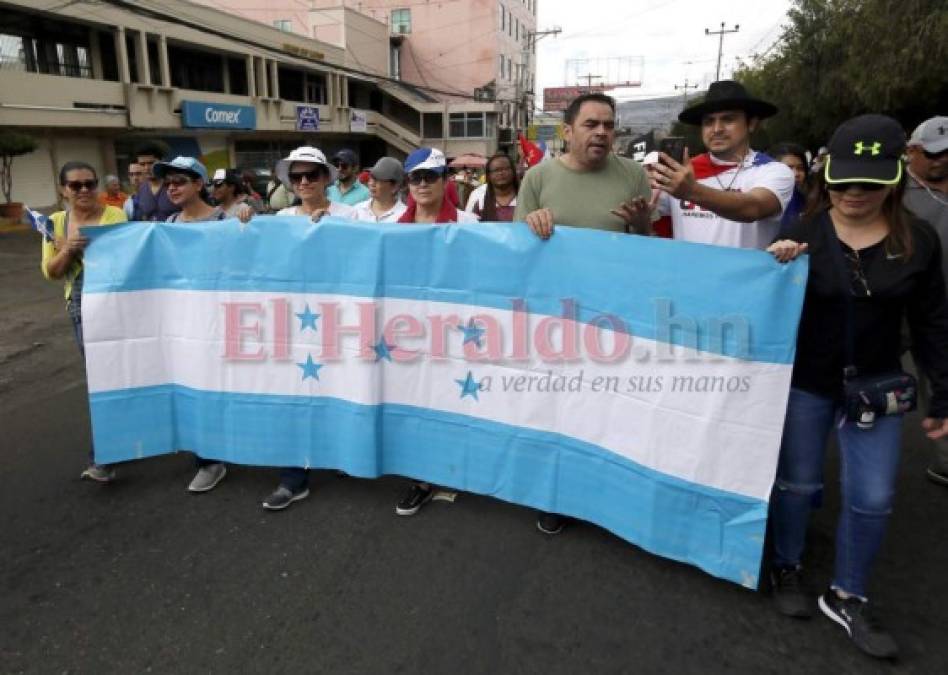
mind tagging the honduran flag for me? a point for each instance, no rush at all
(636, 383)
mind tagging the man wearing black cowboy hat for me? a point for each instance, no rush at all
(731, 195)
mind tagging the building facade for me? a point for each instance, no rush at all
(460, 48)
(91, 81)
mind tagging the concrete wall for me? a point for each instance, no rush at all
(34, 175)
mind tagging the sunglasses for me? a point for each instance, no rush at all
(424, 176)
(934, 155)
(219, 183)
(866, 187)
(178, 179)
(340, 165)
(312, 176)
(77, 185)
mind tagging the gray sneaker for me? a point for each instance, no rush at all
(283, 497)
(99, 473)
(208, 477)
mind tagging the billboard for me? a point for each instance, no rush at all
(555, 99)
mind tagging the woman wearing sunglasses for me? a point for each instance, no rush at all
(185, 180)
(871, 264)
(426, 169)
(62, 256)
(307, 173)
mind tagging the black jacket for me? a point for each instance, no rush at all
(913, 289)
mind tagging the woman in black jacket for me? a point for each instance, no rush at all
(871, 265)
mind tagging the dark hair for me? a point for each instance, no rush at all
(784, 149)
(153, 148)
(572, 110)
(489, 212)
(75, 166)
(899, 239)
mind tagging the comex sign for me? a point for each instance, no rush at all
(201, 115)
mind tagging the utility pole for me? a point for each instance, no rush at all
(686, 87)
(721, 33)
(524, 98)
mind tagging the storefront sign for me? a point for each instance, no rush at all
(203, 115)
(307, 118)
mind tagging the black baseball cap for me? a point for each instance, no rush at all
(866, 149)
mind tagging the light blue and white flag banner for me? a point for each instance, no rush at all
(636, 383)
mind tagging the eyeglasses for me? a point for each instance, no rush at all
(866, 187)
(934, 155)
(311, 176)
(219, 183)
(424, 176)
(501, 169)
(340, 165)
(859, 285)
(77, 185)
(178, 179)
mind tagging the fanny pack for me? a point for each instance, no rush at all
(867, 397)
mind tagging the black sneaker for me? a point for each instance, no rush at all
(550, 523)
(283, 497)
(855, 616)
(789, 593)
(936, 476)
(417, 497)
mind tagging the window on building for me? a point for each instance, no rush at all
(315, 89)
(503, 18)
(193, 69)
(286, 25)
(401, 21)
(395, 62)
(510, 20)
(467, 125)
(49, 56)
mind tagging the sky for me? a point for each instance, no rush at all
(665, 37)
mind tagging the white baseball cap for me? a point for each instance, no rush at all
(932, 135)
(307, 154)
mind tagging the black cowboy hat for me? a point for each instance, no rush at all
(727, 95)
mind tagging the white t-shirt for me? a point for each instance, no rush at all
(465, 217)
(477, 199)
(365, 214)
(335, 209)
(692, 223)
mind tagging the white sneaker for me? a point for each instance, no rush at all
(208, 477)
(99, 473)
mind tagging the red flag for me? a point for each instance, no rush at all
(530, 151)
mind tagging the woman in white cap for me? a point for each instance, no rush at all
(385, 181)
(307, 173)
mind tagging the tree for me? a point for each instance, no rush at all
(12, 144)
(840, 58)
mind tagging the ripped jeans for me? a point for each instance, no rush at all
(869, 462)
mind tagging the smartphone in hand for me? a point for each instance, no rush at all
(674, 147)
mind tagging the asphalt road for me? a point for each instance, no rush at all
(141, 576)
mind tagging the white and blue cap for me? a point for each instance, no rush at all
(180, 165)
(430, 159)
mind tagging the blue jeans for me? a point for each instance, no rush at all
(868, 469)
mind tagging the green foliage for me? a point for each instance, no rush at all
(12, 144)
(841, 58)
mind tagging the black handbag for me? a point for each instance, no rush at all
(866, 397)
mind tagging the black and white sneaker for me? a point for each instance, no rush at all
(854, 615)
(419, 495)
(790, 596)
(283, 497)
(550, 523)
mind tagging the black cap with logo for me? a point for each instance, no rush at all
(866, 149)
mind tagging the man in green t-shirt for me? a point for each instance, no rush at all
(589, 186)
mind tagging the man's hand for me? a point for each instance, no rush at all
(669, 176)
(936, 428)
(786, 250)
(637, 213)
(244, 213)
(541, 222)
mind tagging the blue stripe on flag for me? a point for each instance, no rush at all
(718, 531)
(487, 264)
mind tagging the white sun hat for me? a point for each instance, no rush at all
(307, 154)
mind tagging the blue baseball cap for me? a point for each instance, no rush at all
(430, 159)
(180, 165)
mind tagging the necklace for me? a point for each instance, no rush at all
(931, 193)
(740, 167)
